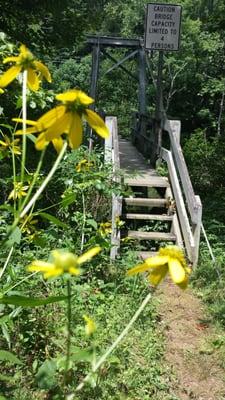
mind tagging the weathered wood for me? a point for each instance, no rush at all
(183, 218)
(148, 217)
(164, 236)
(113, 41)
(183, 172)
(153, 181)
(175, 227)
(145, 202)
(175, 125)
(111, 123)
(197, 230)
(147, 254)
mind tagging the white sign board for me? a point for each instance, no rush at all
(162, 27)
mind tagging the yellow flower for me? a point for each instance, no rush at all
(105, 229)
(8, 145)
(169, 259)
(62, 262)
(83, 165)
(25, 61)
(18, 191)
(28, 225)
(90, 326)
(1, 91)
(66, 118)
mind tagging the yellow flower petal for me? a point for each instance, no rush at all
(32, 80)
(75, 95)
(90, 327)
(138, 268)
(50, 117)
(156, 261)
(24, 51)
(41, 142)
(75, 131)
(84, 98)
(60, 126)
(74, 271)
(176, 271)
(9, 75)
(40, 266)
(28, 130)
(28, 121)
(96, 123)
(157, 274)
(88, 255)
(43, 70)
(1, 91)
(183, 285)
(10, 59)
(58, 144)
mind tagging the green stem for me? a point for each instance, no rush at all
(36, 174)
(37, 194)
(24, 117)
(115, 344)
(84, 222)
(7, 261)
(68, 341)
(14, 180)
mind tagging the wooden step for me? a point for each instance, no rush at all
(151, 181)
(164, 236)
(146, 202)
(146, 254)
(148, 217)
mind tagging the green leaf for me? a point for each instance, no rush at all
(10, 357)
(81, 355)
(69, 199)
(30, 301)
(53, 219)
(31, 137)
(92, 223)
(46, 375)
(15, 237)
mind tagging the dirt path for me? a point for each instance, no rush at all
(195, 364)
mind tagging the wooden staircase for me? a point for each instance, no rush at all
(151, 205)
(156, 210)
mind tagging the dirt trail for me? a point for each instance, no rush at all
(184, 322)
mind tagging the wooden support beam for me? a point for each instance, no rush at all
(120, 66)
(120, 62)
(108, 41)
(142, 81)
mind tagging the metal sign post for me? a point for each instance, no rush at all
(162, 32)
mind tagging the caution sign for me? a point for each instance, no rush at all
(163, 27)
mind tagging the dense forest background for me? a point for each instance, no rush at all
(77, 203)
(194, 77)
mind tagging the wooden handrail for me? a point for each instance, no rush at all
(193, 206)
(177, 166)
(112, 155)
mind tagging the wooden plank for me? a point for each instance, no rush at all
(182, 214)
(183, 172)
(196, 231)
(148, 217)
(145, 202)
(176, 128)
(153, 181)
(165, 236)
(108, 142)
(175, 227)
(147, 254)
(111, 123)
